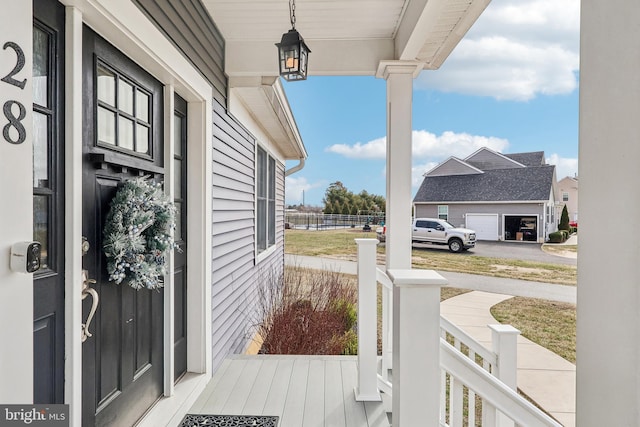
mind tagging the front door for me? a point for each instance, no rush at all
(122, 361)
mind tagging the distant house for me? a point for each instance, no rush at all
(500, 196)
(568, 195)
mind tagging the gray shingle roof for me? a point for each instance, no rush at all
(515, 184)
(535, 158)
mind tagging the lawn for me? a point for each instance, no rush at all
(549, 324)
(340, 244)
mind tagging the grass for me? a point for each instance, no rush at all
(340, 244)
(549, 324)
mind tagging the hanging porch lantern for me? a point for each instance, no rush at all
(293, 52)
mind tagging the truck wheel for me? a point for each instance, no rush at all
(455, 245)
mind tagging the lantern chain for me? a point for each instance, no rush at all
(292, 13)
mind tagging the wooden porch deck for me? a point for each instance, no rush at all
(302, 390)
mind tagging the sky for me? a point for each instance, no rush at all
(510, 85)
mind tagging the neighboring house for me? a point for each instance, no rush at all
(568, 195)
(500, 196)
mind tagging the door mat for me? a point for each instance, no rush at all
(197, 420)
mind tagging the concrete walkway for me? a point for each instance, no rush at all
(548, 379)
(545, 377)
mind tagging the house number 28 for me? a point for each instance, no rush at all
(14, 120)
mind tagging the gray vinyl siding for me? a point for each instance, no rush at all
(457, 212)
(236, 272)
(452, 167)
(188, 25)
(486, 160)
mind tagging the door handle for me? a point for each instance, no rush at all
(86, 291)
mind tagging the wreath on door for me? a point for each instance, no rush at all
(138, 234)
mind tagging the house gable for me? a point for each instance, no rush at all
(487, 159)
(453, 166)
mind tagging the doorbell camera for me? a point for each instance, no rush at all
(25, 257)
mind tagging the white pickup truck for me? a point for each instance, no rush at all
(438, 232)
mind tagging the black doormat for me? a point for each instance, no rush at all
(197, 420)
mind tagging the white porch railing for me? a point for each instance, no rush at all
(442, 375)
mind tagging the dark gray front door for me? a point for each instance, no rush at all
(122, 113)
(48, 200)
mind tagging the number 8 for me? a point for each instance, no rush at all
(14, 122)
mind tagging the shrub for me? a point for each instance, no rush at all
(564, 219)
(556, 237)
(308, 312)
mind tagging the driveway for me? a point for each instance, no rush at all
(527, 251)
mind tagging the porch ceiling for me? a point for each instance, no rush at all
(346, 37)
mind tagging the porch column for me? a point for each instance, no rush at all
(16, 194)
(608, 342)
(399, 76)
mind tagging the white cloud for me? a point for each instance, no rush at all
(296, 186)
(564, 166)
(425, 145)
(428, 145)
(375, 149)
(516, 50)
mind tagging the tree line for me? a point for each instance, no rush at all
(340, 200)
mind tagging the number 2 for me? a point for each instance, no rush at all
(19, 66)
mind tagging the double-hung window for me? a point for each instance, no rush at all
(443, 212)
(266, 197)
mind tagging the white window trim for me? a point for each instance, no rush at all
(261, 255)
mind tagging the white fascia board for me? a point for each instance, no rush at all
(281, 96)
(327, 57)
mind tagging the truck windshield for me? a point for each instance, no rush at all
(447, 225)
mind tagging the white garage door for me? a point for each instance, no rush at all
(485, 225)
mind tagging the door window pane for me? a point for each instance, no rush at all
(41, 226)
(177, 135)
(40, 150)
(177, 234)
(142, 106)
(106, 86)
(177, 179)
(125, 133)
(125, 97)
(142, 138)
(40, 67)
(106, 126)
